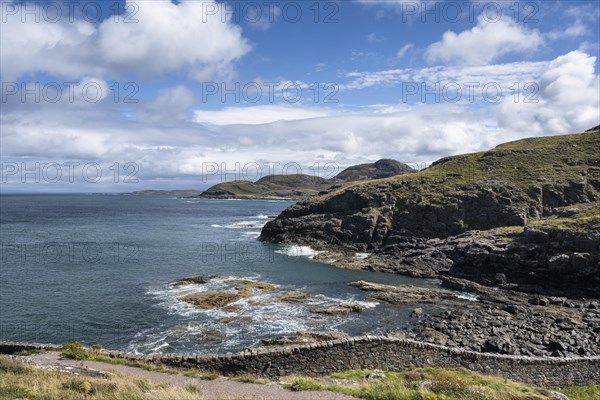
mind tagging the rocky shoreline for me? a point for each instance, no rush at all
(496, 320)
(525, 318)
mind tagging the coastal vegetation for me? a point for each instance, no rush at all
(20, 380)
(431, 383)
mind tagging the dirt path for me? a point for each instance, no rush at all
(221, 388)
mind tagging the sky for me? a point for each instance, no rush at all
(118, 96)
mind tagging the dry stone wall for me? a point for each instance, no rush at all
(370, 352)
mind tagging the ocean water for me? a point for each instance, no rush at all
(98, 268)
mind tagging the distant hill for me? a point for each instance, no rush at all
(300, 186)
(270, 187)
(384, 168)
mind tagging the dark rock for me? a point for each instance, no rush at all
(416, 313)
(557, 345)
(339, 309)
(375, 376)
(559, 262)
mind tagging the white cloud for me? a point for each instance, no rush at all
(167, 37)
(568, 99)
(484, 43)
(405, 49)
(260, 17)
(581, 16)
(374, 38)
(171, 104)
(319, 67)
(305, 135)
(503, 74)
(258, 115)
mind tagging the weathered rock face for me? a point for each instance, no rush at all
(362, 218)
(548, 261)
(345, 219)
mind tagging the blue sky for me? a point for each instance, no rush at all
(411, 80)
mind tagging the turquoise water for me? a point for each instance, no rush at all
(97, 268)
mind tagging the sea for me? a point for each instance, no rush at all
(100, 269)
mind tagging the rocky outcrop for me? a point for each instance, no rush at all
(366, 217)
(343, 219)
(428, 223)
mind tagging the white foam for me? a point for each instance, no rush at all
(216, 226)
(261, 216)
(260, 315)
(251, 234)
(160, 346)
(246, 225)
(467, 296)
(361, 256)
(298, 251)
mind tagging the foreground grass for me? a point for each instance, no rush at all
(75, 351)
(583, 393)
(432, 384)
(20, 381)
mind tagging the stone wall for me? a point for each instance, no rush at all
(370, 352)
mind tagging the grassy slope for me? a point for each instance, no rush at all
(523, 163)
(517, 166)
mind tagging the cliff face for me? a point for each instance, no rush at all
(517, 184)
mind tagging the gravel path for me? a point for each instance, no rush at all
(221, 388)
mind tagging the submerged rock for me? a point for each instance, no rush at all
(211, 300)
(339, 309)
(294, 297)
(194, 280)
(213, 335)
(244, 288)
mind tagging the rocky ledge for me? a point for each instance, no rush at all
(482, 319)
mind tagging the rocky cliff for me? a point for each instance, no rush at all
(427, 223)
